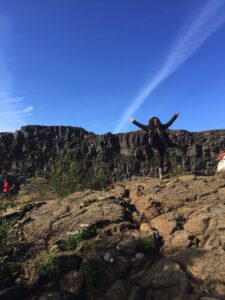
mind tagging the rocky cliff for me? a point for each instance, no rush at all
(35, 150)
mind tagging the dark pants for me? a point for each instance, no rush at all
(159, 146)
(161, 152)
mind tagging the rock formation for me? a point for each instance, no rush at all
(140, 238)
(35, 150)
(148, 239)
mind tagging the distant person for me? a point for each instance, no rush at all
(221, 158)
(158, 138)
(6, 188)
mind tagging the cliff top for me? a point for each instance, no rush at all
(36, 128)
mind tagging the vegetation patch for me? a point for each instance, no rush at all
(87, 250)
(48, 266)
(177, 170)
(74, 239)
(7, 204)
(147, 244)
(69, 175)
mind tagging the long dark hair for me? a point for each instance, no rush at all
(150, 123)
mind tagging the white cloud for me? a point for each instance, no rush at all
(197, 31)
(13, 114)
(28, 109)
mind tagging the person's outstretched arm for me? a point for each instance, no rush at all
(138, 124)
(168, 124)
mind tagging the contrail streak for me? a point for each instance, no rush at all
(13, 114)
(210, 18)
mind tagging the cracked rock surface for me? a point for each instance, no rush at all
(155, 239)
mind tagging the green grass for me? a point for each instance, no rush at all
(147, 244)
(177, 170)
(48, 266)
(75, 238)
(69, 175)
(4, 204)
(23, 193)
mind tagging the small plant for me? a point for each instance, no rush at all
(74, 239)
(178, 170)
(86, 250)
(70, 174)
(147, 244)
(49, 266)
(23, 193)
(7, 204)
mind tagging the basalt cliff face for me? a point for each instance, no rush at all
(33, 150)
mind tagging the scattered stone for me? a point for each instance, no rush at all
(139, 256)
(84, 225)
(107, 256)
(145, 227)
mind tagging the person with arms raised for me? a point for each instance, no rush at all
(158, 138)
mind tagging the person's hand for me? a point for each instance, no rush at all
(131, 120)
(177, 114)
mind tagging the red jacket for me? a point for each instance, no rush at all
(6, 187)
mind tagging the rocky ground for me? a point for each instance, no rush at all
(142, 238)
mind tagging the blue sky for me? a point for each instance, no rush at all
(95, 63)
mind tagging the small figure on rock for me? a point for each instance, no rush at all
(6, 188)
(158, 138)
(221, 158)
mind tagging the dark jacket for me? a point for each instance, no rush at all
(157, 134)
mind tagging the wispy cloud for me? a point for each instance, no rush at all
(13, 112)
(208, 20)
